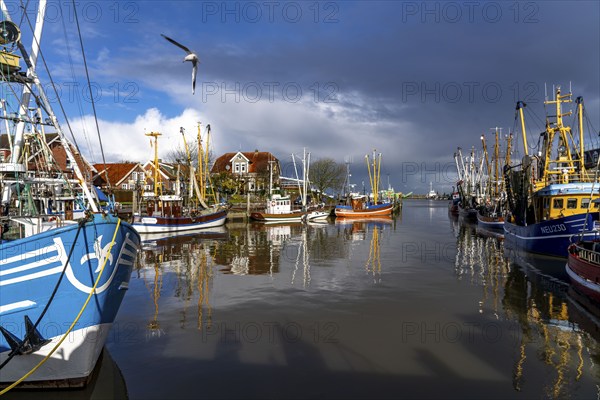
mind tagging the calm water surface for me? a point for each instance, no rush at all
(419, 306)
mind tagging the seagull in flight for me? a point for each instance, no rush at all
(191, 56)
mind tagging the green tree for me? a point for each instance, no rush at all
(225, 183)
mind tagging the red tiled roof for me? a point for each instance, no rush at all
(259, 161)
(115, 171)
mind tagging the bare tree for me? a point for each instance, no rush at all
(325, 174)
(178, 154)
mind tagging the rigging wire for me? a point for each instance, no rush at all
(77, 97)
(90, 89)
(41, 54)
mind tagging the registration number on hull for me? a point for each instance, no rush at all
(553, 228)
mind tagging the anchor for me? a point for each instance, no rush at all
(33, 339)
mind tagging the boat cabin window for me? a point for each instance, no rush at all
(585, 203)
(557, 203)
(546, 202)
(571, 203)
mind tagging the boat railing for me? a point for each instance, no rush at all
(585, 177)
(591, 256)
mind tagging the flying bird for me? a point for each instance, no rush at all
(191, 56)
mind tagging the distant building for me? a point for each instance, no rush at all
(251, 169)
(55, 160)
(126, 177)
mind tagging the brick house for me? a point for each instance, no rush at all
(251, 169)
(127, 177)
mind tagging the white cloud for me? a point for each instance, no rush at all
(279, 127)
(126, 141)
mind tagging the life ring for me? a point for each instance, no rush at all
(52, 219)
(273, 203)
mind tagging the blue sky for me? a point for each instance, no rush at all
(413, 80)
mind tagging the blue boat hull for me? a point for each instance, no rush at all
(30, 270)
(550, 237)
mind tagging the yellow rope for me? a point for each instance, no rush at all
(74, 322)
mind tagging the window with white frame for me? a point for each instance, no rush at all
(236, 168)
(124, 186)
(243, 167)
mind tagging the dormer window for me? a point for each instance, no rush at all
(243, 166)
(236, 168)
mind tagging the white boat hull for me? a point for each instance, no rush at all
(74, 360)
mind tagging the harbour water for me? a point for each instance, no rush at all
(419, 306)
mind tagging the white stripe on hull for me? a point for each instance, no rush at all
(154, 228)
(75, 358)
(548, 237)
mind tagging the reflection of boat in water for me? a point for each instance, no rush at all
(479, 259)
(538, 265)
(533, 309)
(217, 232)
(549, 333)
(182, 266)
(362, 221)
(357, 228)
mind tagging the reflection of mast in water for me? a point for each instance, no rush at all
(546, 330)
(481, 260)
(305, 254)
(204, 278)
(189, 258)
(154, 325)
(373, 263)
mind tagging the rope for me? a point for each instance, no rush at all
(74, 322)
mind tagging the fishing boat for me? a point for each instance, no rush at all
(453, 203)
(490, 215)
(583, 267)
(278, 207)
(468, 190)
(171, 213)
(361, 206)
(62, 280)
(549, 196)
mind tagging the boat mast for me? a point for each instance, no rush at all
(304, 179)
(205, 171)
(200, 162)
(563, 166)
(18, 144)
(157, 183)
(487, 165)
(520, 107)
(25, 99)
(271, 177)
(374, 177)
(579, 102)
